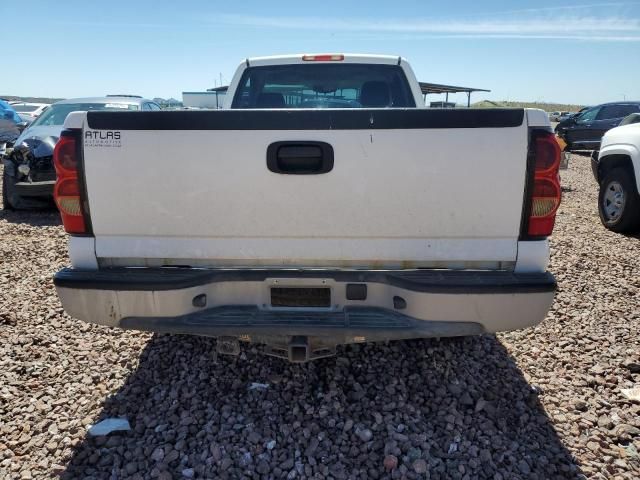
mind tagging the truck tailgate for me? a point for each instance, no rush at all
(407, 188)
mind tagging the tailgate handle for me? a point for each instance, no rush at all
(300, 158)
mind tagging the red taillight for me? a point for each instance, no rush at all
(546, 192)
(323, 58)
(547, 154)
(67, 189)
(65, 155)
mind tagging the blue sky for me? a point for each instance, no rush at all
(572, 51)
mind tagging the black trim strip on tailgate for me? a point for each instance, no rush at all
(355, 119)
(432, 281)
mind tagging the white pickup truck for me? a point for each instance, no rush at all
(616, 168)
(324, 206)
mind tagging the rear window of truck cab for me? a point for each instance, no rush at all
(324, 86)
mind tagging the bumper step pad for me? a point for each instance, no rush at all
(352, 324)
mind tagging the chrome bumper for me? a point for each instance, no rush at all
(236, 303)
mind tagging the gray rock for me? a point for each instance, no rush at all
(172, 456)
(263, 467)
(216, 452)
(188, 473)
(465, 399)
(364, 434)
(390, 462)
(524, 468)
(158, 454)
(254, 437)
(419, 466)
(625, 430)
(287, 464)
(485, 455)
(414, 454)
(246, 459)
(580, 405)
(226, 463)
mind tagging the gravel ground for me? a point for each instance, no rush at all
(540, 403)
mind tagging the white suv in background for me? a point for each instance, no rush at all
(617, 170)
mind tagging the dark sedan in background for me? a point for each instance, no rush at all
(584, 130)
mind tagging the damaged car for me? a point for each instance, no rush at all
(29, 176)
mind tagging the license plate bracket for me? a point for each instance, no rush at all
(301, 297)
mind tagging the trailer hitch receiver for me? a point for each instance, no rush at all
(299, 349)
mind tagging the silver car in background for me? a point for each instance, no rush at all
(29, 177)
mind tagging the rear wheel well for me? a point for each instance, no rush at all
(610, 162)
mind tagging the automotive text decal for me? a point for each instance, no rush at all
(102, 138)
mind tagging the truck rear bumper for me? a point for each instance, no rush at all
(397, 304)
